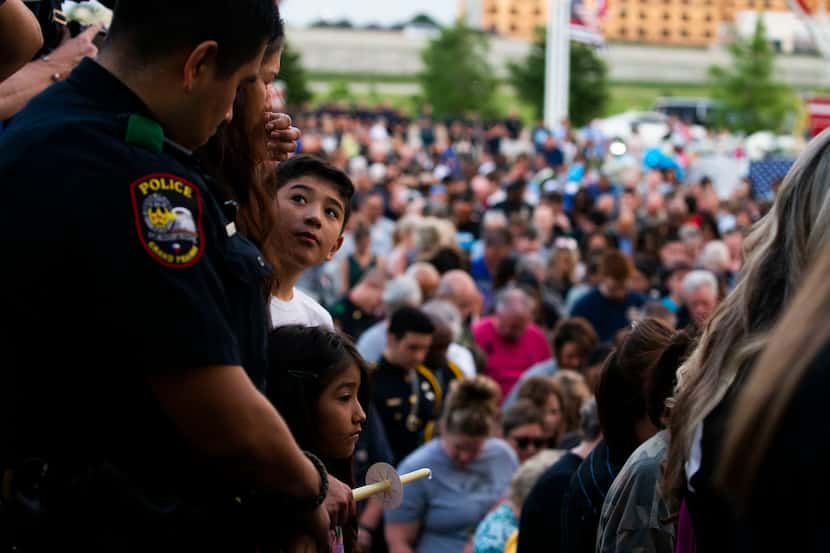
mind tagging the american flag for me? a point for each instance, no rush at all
(764, 173)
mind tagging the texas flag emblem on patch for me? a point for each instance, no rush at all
(168, 217)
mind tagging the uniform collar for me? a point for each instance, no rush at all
(106, 89)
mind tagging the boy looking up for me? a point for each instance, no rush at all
(312, 199)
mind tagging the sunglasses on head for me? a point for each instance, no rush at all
(524, 441)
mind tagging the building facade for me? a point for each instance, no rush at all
(668, 22)
(513, 18)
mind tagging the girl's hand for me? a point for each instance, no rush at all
(339, 503)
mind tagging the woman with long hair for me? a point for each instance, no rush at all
(623, 407)
(239, 155)
(776, 454)
(778, 253)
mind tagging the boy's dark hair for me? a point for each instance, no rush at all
(522, 412)
(155, 29)
(304, 165)
(410, 319)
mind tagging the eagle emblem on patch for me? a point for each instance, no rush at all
(168, 218)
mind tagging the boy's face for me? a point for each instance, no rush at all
(310, 215)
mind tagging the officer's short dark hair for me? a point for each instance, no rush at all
(409, 319)
(154, 29)
(304, 165)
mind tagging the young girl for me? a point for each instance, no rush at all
(319, 383)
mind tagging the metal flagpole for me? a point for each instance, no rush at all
(557, 62)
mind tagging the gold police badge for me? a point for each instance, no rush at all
(168, 218)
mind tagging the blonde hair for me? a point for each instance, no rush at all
(575, 393)
(777, 254)
(798, 338)
(530, 471)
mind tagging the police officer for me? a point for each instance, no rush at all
(132, 417)
(407, 395)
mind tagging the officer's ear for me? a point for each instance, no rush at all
(200, 64)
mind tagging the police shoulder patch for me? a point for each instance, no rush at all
(168, 218)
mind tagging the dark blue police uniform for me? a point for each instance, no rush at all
(408, 404)
(119, 265)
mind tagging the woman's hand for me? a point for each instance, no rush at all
(281, 135)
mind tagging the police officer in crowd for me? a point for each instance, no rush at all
(405, 393)
(135, 350)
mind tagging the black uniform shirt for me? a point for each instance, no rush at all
(119, 264)
(408, 405)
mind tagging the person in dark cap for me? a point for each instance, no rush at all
(514, 202)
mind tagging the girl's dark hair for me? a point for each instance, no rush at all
(621, 392)
(302, 361)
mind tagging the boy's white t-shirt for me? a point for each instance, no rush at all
(301, 310)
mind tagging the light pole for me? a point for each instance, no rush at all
(557, 62)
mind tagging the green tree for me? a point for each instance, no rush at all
(294, 76)
(424, 19)
(339, 91)
(750, 99)
(457, 76)
(588, 89)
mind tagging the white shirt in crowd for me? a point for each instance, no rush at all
(301, 310)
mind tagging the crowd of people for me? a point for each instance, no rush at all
(591, 353)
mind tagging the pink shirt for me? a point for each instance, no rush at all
(506, 361)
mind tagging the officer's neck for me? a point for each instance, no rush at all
(390, 360)
(164, 101)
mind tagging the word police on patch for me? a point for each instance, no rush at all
(168, 217)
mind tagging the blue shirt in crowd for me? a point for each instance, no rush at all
(607, 316)
(447, 523)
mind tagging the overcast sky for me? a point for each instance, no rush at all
(302, 12)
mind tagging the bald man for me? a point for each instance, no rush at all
(459, 288)
(427, 277)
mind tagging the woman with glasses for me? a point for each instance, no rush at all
(547, 397)
(523, 428)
